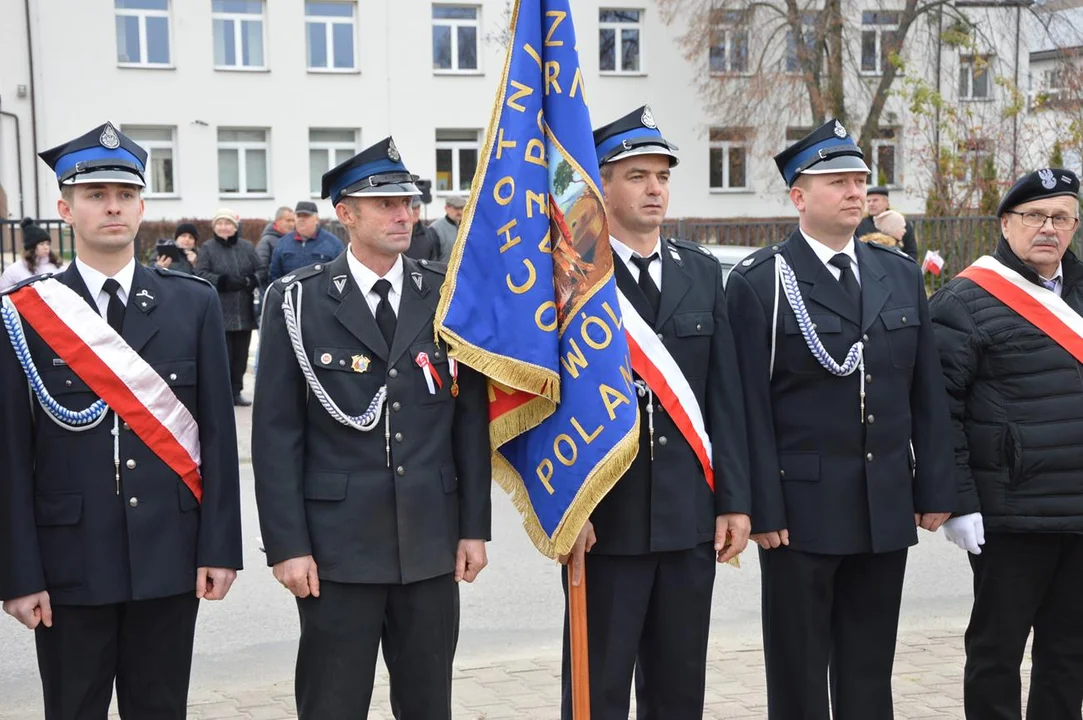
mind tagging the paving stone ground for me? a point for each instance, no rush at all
(927, 685)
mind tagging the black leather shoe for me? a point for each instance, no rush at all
(241, 401)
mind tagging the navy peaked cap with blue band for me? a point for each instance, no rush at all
(827, 149)
(376, 171)
(634, 134)
(104, 154)
(1039, 185)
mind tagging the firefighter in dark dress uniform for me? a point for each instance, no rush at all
(371, 457)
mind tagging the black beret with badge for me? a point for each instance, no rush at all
(1038, 185)
(376, 171)
(827, 149)
(636, 133)
(103, 155)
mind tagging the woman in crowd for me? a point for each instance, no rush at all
(229, 262)
(38, 256)
(185, 238)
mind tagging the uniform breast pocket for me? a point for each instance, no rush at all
(351, 375)
(902, 326)
(799, 358)
(179, 375)
(441, 378)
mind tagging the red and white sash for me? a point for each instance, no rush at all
(1042, 308)
(116, 373)
(652, 362)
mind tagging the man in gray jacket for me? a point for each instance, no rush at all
(447, 227)
(283, 225)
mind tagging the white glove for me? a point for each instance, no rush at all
(966, 531)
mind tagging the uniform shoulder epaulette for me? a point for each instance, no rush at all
(891, 250)
(689, 245)
(166, 272)
(308, 271)
(757, 258)
(24, 283)
(436, 266)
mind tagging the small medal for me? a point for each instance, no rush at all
(453, 366)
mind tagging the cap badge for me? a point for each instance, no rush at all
(647, 118)
(840, 131)
(1048, 181)
(359, 363)
(109, 138)
(393, 152)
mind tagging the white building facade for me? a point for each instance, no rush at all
(245, 103)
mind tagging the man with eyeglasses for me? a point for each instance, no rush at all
(1010, 335)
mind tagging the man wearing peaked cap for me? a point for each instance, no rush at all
(1010, 334)
(120, 503)
(651, 545)
(837, 496)
(371, 457)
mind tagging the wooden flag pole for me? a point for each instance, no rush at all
(577, 632)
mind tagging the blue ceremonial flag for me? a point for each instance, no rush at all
(530, 299)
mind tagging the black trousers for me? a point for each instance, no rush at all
(830, 620)
(647, 615)
(1024, 581)
(341, 631)
(237, 343)
(144, 645)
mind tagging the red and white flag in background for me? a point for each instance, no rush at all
(933, 262)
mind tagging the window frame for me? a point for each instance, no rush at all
(329, 22)
(142, 15)
(242, 147)
(454, 24)
(966, 64)
(729, 29)
(150, 146)
(878, 29)
(744, 143)
(618, 44)
(456, 169)
(331, 146)
(237, 19)
(881, 140)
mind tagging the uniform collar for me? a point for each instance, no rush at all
(366, 278)
(95, 279)
(626, 253)
(824, 253)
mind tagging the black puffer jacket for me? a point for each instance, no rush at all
(231, 265)
(1016, 400)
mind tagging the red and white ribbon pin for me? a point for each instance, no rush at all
(431, 376)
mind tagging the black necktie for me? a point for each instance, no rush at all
(646, 282)
(114, 314)
(846, 277)
(385, 316)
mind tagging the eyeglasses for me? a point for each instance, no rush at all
(1037, 220)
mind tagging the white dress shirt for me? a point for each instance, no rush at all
(825, 254)
(366, 278)
(94, 281)
(626, 254)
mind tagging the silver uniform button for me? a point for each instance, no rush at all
(904, 319)
(134, 502)
(400, 471)
(869, 457)
(699, 326)
(872, 419)
(782, 473)
(868, 378)
(127, 426)
(393, 373)
(396, 406)
(130, 464)
(173, 377)
(398, 437)
(662, 440)
(660, 336)
(67, 383)
(864, 338)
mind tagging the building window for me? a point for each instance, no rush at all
(238, 34)
(619, 45)
(808, 35)
(975, 81)
(455, 38)
(158, 142)
(142, 32)
(879, 33)
(729, 42)
(326, 149)
(729, 158)
(329, 34)
(456, 159)
(884, 153)
(242, 161)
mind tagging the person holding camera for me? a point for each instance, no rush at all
(179, 254)
(232, 266)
